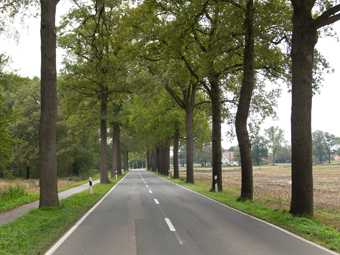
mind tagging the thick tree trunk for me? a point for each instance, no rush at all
(158, 160)
(126, 160)
(116, 155)
(153, 161)
(119, 154)
(103, 136)
(28, 173)
(48, 120)
(148, 160)
(216, 132)
(189, 122)
(243, 107)
(164, 159)
(175, 156)
(303, 42)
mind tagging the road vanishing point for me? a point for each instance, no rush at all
(148, 215)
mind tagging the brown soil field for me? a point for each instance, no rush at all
(272, 187)
(274, 182)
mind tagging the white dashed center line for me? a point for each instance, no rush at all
(147, 186)
(150, 191)
(156, 201)
(171, 227)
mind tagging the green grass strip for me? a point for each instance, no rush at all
(29, 198)
(304, 226)
(37, 230)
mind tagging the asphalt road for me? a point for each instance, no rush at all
(147, 215)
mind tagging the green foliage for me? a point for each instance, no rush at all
(8, 83)
(259, 148)
(203, 155)
(275, 136)
(324, 144)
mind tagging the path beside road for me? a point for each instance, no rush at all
(17, 212)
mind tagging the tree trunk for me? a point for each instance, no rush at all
(119, 154)
(48, 120)
(153, 161)
(164, 159)
(303, 42)
(116, 155)
(103, 136)
(175, 156)
(189, 123)
(126, 160)
(28, 173)
(148, 160)
(243, 107)
(216, 132)
(158, 160)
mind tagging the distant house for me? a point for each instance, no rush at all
(228, 159)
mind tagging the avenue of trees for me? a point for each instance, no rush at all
(141, 77)
(324, 146)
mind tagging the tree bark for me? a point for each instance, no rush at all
(243, 107)
(303, 42)
(119, 154)
(116, 156)
(164, 159)
(148, 160)
(189, 123)
(103, 136)
(158, 160)
(216, 131)
(48, 119)
(28, 173)
(153, 161)
(175, 156)
(126, 160)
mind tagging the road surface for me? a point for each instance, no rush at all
(147, 215)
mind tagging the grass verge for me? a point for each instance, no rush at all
(29, 198)
(37, 230)
(304, 226)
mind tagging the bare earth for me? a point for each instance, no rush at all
(275, 182)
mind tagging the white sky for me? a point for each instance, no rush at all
(26, 58)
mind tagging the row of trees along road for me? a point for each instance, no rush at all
(325, 144)
(196, 58)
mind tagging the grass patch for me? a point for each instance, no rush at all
(11, 192)
(37, 230)
(305, 226)
(22, 197)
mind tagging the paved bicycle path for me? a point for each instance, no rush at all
(13, 214)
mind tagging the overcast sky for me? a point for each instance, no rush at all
(325, 114)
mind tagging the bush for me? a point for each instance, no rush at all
(88, 173)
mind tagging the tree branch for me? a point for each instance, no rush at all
(175, 97)
(326, 18)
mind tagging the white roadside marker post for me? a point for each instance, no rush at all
(90, 183)
(216, 185)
